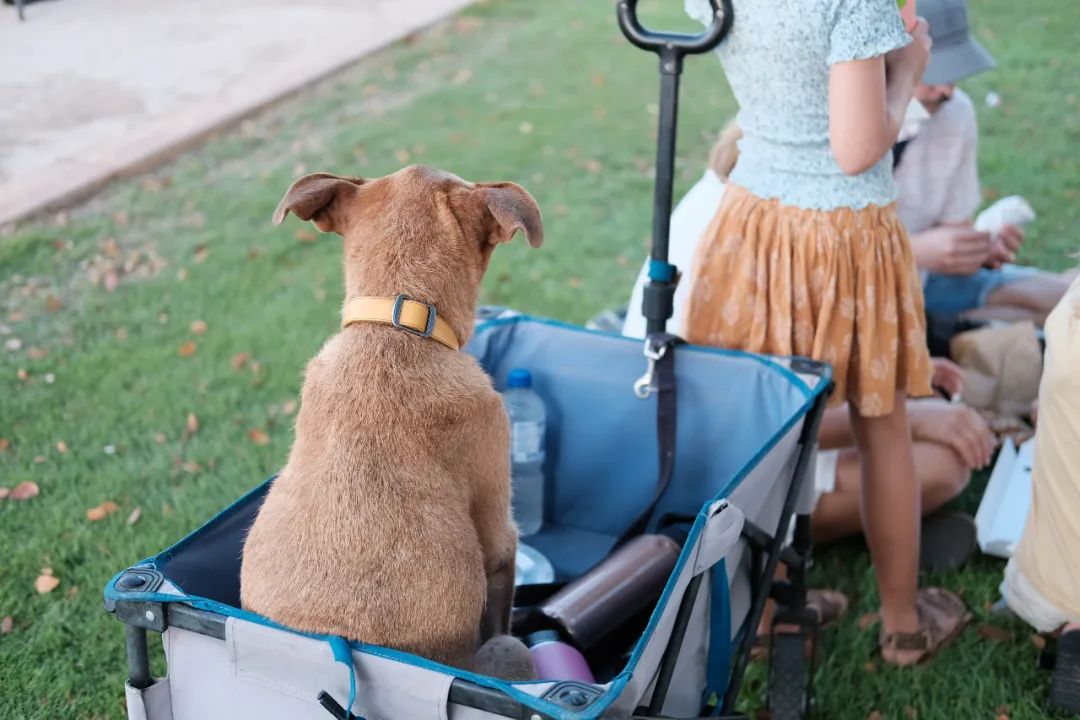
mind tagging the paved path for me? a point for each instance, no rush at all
(91, 90)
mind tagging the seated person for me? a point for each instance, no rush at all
(1042, 580)
(967, 272)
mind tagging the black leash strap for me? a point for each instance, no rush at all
(660, 350)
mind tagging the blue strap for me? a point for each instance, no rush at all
(719, 661)
(660, 271)
(343, 654)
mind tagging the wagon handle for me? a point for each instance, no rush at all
(671, 48)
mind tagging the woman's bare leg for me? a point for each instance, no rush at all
(890, 513)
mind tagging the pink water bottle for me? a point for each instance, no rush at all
(557, 660)
(907, 12)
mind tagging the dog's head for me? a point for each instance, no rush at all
(420, 231)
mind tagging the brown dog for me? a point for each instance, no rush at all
(390, 523)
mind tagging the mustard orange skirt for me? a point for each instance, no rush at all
(838, 286)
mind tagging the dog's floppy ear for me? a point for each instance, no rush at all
(513, 209)
(311, 197)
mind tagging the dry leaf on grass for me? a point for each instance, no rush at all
(288, 407)
(4, 443)
(867, 620)
(258, 436)
(993, 633)
(53, 303)
(22, 374)
(159, 438)
(192, 423)
(187, 349)
(201, 253)
(36, 353)
(198, 327)
(870, 666)
(102, 511)
(305, 236)
(46, 583)
(39, 459)
(61, 446)
(25, 491)
(134, 516)
(239, 360)
(6, 625)
(4, 492)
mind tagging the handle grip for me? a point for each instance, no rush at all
(681, 43)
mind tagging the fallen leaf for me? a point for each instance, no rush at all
(305, 236)
(870, 666)
(187, 349)
(198, 327)
(61, 446)
(102, 511)
(192, 423)
(134, 516)
(73, 591)
(46, 583)
(166, 510)
(258, 436)
(159, 438)
(867, 620)
(39, 459)
(993, 633)
(4, 444)
(25, 491)
(190, 466)
(53, 303)
(201, 253)
(6, 625)
(22, 374)
(239, 360)
(36, 353)
(593, 166)
(288, 407)
(121, 334)
(256, 368)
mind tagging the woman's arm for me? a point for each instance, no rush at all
(867, 101)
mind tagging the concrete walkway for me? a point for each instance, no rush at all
(91, 90)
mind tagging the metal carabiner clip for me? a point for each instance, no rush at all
(646, 384)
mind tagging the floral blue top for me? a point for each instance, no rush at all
(777, 60)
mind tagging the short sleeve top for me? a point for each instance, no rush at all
(777, 58)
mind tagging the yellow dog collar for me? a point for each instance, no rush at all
(401, 312)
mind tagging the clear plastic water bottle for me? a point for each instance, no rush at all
(528, 421)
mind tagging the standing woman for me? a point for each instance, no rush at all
(806, 255)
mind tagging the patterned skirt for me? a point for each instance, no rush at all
(838, 286)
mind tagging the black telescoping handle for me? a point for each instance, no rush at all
(672, 48)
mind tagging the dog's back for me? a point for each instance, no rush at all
(367, 532)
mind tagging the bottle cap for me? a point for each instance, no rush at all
(519, 378)
(542, 636)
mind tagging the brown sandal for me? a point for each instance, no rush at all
(942, 616)
(830, 606)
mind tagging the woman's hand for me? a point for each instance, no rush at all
(957, 427)
(947, 375)
(908, 63)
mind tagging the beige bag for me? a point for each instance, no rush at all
(1002, 367)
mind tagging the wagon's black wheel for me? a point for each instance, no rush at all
(788, 691)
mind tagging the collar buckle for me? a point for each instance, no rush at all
(395, 317)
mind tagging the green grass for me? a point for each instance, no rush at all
(544, 93)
